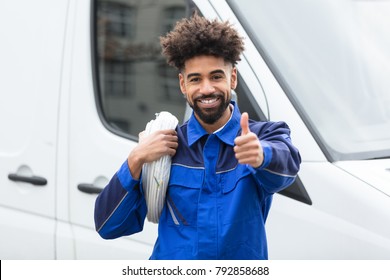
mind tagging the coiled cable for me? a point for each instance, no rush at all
(155, 175)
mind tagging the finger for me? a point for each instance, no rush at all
(167, 131)
(244, 124)
(141, 135)
(168, 138)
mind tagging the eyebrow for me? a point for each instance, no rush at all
(218, 71)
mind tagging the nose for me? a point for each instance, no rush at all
(206, 87)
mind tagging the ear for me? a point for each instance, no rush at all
(233, 78)
(182, 83)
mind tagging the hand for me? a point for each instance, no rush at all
(247, 147)
(150, 148)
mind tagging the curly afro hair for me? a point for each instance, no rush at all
(199, 36)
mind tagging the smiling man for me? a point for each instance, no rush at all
(206, 83)
(225, 167)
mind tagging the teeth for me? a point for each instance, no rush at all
(208, 101)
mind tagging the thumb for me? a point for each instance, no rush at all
(244, 123)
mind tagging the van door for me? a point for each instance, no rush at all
(31, 55)
(117, 85)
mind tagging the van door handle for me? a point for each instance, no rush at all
(34, 180)
(89, 188)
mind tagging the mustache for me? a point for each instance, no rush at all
(209, 96)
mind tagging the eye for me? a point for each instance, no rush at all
(194, 80)
(217, 77)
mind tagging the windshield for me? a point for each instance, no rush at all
(332, 57)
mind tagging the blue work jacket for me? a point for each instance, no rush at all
(215, 207)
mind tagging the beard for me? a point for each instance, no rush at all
(210, 115)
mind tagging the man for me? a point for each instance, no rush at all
(225, 167)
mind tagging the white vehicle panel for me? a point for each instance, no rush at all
(345, 220)
(26, 236)
(375, 173)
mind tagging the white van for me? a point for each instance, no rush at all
(75, 92)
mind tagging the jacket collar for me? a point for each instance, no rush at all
(226, 134)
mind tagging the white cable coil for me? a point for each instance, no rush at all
(155, 175)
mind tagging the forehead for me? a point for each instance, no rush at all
(205, 64)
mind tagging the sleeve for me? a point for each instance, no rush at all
(120, 209)
(281, 158)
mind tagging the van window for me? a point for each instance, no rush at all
(134, 81)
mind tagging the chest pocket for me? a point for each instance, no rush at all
(241, 200)
(230, 179)
(183, 194)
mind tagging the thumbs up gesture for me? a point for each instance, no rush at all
(248, 149)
